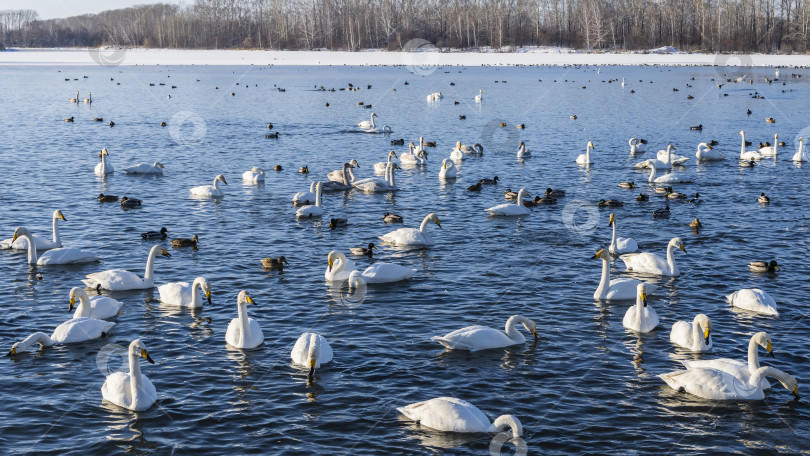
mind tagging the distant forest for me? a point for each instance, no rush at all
(700, 25)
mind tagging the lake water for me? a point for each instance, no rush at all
(586, 386)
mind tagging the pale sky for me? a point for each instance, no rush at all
(49, 9)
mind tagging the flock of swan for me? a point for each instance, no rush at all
(712, 379)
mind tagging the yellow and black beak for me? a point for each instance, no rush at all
(610, 222)
(437, 222)
(223, 180)
(311, 376)
(534, 333)
(249, 300)
(72, 303)
(12, 352)
(770, 349)
(146, 356)
(16, 236)
(682, 247)
(208, 296)
(165, 253)
(644, 298)
(330, 264)
(706, 336)
(62, 217)
(796, 391)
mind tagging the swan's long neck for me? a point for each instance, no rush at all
(520, 198)
(652, 172)
(216, 183)
(318, 195)
(36, 338)
(753, 355)
(32, 248)
(149, 272)
(372, 121)
(391, 181)
(669, 155)
(775, 143)
(195, 291)
(671, 259)
(768, 371)
(613, 239)
(588, 153)
(509, 421)
(134, 371)
(103, 162)
(697, 334)
(512, 332)
(56, 239)
(244, 322)
(84, 306)
(604, 282)
(742, 147)
(423, 227)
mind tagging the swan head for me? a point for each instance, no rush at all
(706, 324)
(221, 178)
(392, 154)
(764, 340)
(75, 293)
(140, 349)
(641, 289)
(354, 164)
(612, 219)
(159, 165)
(244, 297)
(434, 218)
(590, 145)
(164, 253)
(374, 114)
(104, 151)
(57, 214)
(333, 256)
(510, 421)
(207, 290)
(19, 232)
(600, 254)
(677, 242)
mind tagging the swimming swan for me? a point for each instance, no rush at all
(585, 159)
(619, 245)
(738, 368)
(41, 243)
(619, 289)
(254, 176)
(706, 153)
(449, 414)
(754, 300)
(801, 155)
(185, 294)
(748, 155)
(145, 168)
(448, 170)
(98, 307)
(243, 331)
(512, 209)
(69, 332)
(695, 336)
(120, 279)
(640, 317)
(61, 255)
(131, 390)
(312, 210)
(714, 384)
(413, 236)
(104, 168)
(210, 191)
(311, 351)
(340, 268)
(475, 338)
(650, 263)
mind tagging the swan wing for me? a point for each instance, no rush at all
(116, 280)
(80, 330)
(645, 262)
(102, 308)
(622, 289)
(712, 384)
(474, 338)
(178, 293)
(753, 299)
(405, 236)
(447, 414)
(65, 255)
(386, 273)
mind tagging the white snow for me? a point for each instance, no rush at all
(424, 61)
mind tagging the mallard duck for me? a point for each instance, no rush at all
(163, 124)
(392, 218)
(185, 242)
(696, 199)
(502, 124)
(270, 127)
(364, 250)
(130, 202)
(98, 119)
(303, 170)
(102, 198)
(609, 203)
(763, 266)
(397, 142)
(574, 117)
(476, 187)
(627, 185)
(509, 194)
(521, 126)
(155, 234)
(338, 222)
(492, 181)
(662, 189)
(275, 263)
(696, 223)
(770, 120)
(429, 144)
(555, 193)
(277, 168)
(763, 199)
(538, 200)
(662, 212)
(642, 197)
(670, 194)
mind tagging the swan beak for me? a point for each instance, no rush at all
(330, 265)
(62, 217)
(437, 222)
(610, 222)
(249, 300)
(165, 253)
(223, 181)
(208, 296)
(644, 298)
(311, 375)
(16, 236)
(12, 352)
(146, 356)
(534, 333)
(682, 248)
(706, 336)
(72, 303)
(770, 350)
(796, 391)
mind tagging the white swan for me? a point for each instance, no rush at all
(770, 151)
(512, 209)
(185, 294)
(449, 414)
(637, 146)
(347, 177)
(417, 157)
(145, 168)
(748, 155)
(311, 351)
(650, 263)
(368, 124)
(475, 338)
(669, 158)
(435, 96)
(104, 168)
(480, 97)
(254, 176)
(413, 236)
(61, 255)
(689, 335)
(457, 154)
(243, 331)
(714, 384)
(74, 100)
(754, 300)
(337, 175)
(619, 289)
(379, 167)
(312, 210)
(738, 368)
(668, 178)
(305, 197)
(523, 152)
(89, 98)
(40, 242)
(120, 279)
(640, 317)
(585, 159)
(98, 307)
(210, 191)
(340, 268)
(69, 332)
(706, 153)
(620, 245)
(375, 184)
(448, 170)
(801, 155)
(131, 390)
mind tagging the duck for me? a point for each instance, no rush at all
(509, 209)
(770, 120)
(244, 332)
(696, 127)
(155, 234)
(398, 142)
(476, 338)
(277, 168)
(650, 263)
(312, 210)
(367, 251)
(627, 185)
(413, 236)
(763, 266)
(662, 212)
(509, 194)
(311, 351)
(620, 245)
(59, 255)
(185, 294)
(585, 159)
(695, 336)
(338, 222)
(128, 203)
(121, 280)
(555, 193)
(538, 200)
(145, 168)
(392, 218)
(69, 119)
(102, 198)
(71, 331)
(254, 176)
(642, 197)
(609, 203)
(640, 317)
(671, 194)
(763, 199)
(210, 191)
(131, 390)
(274, 135)
(486, 181)
(696, 223)
(104, 167)
(754, 300)
(185, 242)
(303, 170)
(98, 307)
(275, 263)
(448, 170)
(449, 414)
(619, 289)
(696, 199)
(523, 152)
(21, 243)
(339, 268)
(740, 369)
(476, 187)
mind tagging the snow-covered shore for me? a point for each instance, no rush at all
(422, 61)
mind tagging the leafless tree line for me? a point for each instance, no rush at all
(705, 25)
